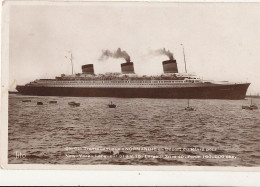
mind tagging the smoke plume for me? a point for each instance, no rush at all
(163, 52)
(117, 54)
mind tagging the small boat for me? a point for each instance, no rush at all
(188, 108)
(52, 102)
(73, 103)
(247, 108)
(26, 100)
(251, 107)
(39, 103)
(111, 105)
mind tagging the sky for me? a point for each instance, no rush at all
(221, 40)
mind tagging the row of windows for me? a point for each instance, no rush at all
(122, 82)
(112, 86)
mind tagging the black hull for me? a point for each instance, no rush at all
(215, 91)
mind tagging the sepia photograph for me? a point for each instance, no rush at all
(131, 84)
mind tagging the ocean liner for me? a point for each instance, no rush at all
(127, 84)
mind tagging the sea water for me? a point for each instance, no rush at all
(138, 131)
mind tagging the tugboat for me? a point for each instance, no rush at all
(251, 107)
(73, 103)
(111, 105)
(53, 102)
(39, 103)
(188, 108)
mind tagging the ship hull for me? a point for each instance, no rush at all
(215, 91)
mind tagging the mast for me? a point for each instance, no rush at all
(184, 57)
(71, 63)
(70, 58)
(188, 103)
